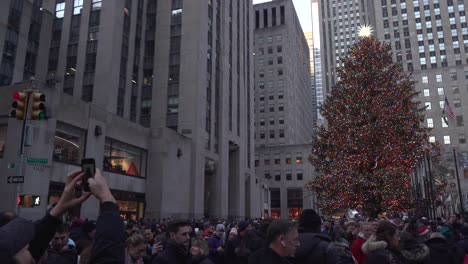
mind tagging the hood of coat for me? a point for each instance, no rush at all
(416, 252)
(372, 244)
(309, 241)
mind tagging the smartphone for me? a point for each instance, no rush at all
(88, 167)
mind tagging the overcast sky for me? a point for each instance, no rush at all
(303, 11)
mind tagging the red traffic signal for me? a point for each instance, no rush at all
(19, 105)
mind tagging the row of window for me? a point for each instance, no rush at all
(271, 108)
(261, 84)
(279, 60)
(272, 121)
(461, 139)
(273, 17)
(272, 134)
(428, 105)
(279, 49)
(445, 121)
(261, 73)
(288, 175)
(119, 157)
(277, 159)
(269, 39)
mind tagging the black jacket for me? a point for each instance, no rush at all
(109, 241)
(463, 245)
(238, 250)
(267, 256)
(203, 260)
(44, 232)
(172, 255)
(315, 248)
(384, 256)
(66, 257)
(442, 251)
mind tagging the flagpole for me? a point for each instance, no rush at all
(462, 211)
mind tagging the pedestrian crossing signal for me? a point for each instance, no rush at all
(29, 200)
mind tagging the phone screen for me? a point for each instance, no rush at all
(89, 169)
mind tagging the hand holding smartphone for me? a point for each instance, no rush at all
(88, 167)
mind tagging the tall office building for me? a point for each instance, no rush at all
(429, 39)
(284, 106)
(314, 5)
(168, 83)
(310, 42)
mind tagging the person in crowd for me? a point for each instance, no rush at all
(315, 247)
(383, 248)
(89, 231)
(366, 230)
(176, 250)
(199, 251)
(243, 245)
(283, 239)
(328, 227)
(463, 242)
(342, 246)
(136, 249)
(15, 235)
(62, 250)
(443, 251)
(216, 245)
(413, 251)
(352, 229)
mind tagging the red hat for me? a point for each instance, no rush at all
(423, 230)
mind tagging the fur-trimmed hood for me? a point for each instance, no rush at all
(415, 252)
(372, 244)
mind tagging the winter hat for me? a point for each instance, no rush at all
(446, 232)
(243, 225)
(464, 230)
(310, 219)
(423, 230)
(14, 236)
(219, 227)
(234, 231)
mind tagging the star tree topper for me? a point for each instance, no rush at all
(365, 31)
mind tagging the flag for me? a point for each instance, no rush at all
(448, 109)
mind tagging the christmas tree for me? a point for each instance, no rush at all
(374, 138)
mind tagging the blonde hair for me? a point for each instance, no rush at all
(135, 240)
(202, 245)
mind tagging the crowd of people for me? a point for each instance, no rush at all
(313, 239)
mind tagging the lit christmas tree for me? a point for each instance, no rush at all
(374, 138)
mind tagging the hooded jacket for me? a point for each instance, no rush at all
(315, 248)
(441, 251)
(414, 252)
(356, 249)
(378, 252)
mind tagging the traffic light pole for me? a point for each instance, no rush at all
(19, 169)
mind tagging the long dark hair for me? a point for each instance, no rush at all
(385, 231)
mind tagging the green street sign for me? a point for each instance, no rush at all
(11, 165)
(37, 161)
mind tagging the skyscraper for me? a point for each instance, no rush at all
(178, 74)
(284, 107)
(430, 40)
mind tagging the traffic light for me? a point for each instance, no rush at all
(29, 200)
(19, 105)
(38, 109)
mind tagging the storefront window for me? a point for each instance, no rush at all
(3, 131)
(131, 204)
(275, 201)
(69, 143)
(294, 203)
(124, 158)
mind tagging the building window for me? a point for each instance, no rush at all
(280, 60)
(124, 159)
(432, 139)
(77, 6)
(275, 202)
(426, 92)
(279, 49)
(430, 123)
(267, 175)
(262, 122)
(460, 122)
(272, 134)
(461, 139)
(281, 120)
(60, 10)
(457, 103)
(442, 104)
(444, 122)
(281, 133)
(277, 159)
(69, 143)
(299, 157)
(3, 134)
(295, 203)
(257, 161)
(97, 4)
(439, 78)
(299, 175)
(288, 158)
(272, 120)
(440, 91)
(288, 175)
(425, 79)
(447, 140)
(277, 176)
(173, 104)
(453, 76)
(266, 159)
(262, 135)
(428, 105)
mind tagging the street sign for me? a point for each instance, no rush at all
(15, 179)
(11, 165)
(37, 161)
